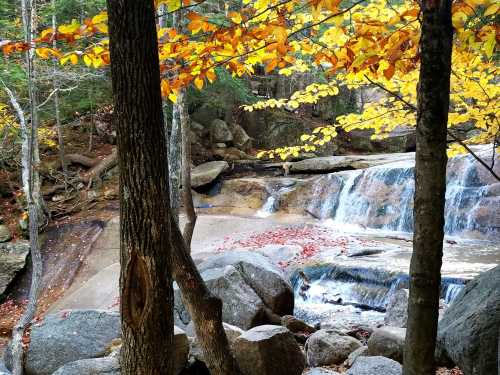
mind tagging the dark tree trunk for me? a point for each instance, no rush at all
(145, 244)
(430, 186)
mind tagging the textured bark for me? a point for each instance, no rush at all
(187, 195)
(145, 246)
(430, 187)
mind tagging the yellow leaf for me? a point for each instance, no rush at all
(73, 58)
(87, 60)
(173, 5)
(172, 97)
(198, 82)
(492, 9)
(100, 18)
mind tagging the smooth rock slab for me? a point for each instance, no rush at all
(207, 172)
(12, 260)
(268, 350)
(94, 366)
(396, 314)
(387, 342)
(359, 352)
(468, 333)
(328, 347)
(69, 336)
(320, 371)
(375, 366)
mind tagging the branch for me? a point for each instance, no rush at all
(450, 133)
(53, 93)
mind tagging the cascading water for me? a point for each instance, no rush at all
(272, 203)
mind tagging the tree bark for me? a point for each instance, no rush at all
(430, 187)
(145, 246)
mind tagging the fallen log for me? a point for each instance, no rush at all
(102, 167)
(81, 160)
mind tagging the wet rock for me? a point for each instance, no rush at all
(268, 350)
(375, 366)
(5, 234)
(241, 307)
(204, 174)
(468, 333)
(387, 342)
(3, 369)
(320, 371)
(94, 366)
(68, 336)
(327, 347)
(295, 325)
(359, 352)
(264, 278)
(220, 131)
(232, 333)
(397, 309)
(12, 260)
(364, 252)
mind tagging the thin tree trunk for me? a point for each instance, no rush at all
(56, 100)
(430, 187)
(145, 244)
(187, 195)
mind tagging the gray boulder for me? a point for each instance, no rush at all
(207, 172)
(268, 350)
(328, 347)
(241, 306)
(68, 336)
(220, 131)
(396, 314)
(359, 352)
(240, 137)
(375, 366)
(95, 366)
(261, 275)
(12, 260)
(5, 234)
(387, 342)
(320, 371)
(468, 333)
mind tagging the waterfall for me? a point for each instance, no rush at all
(272, 203)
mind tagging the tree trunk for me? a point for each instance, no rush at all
(187, 194)
(430, 187)
(145, 246)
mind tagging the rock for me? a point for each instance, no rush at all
(12, 260)
(468, 333)
(240, 137)
(327, 347)
(241, 307)
(3, 369)
(295, 325)
(261, 275)
(396, 314)
(220, 145)
(359, 352)
(375, 366)
(320, 371)
(5, 234)
(364, 252)
(387, 342)
(205, 114)
(231, 154)
(268, 350)
(68, 336)
(232, 333)
(206, 173)
(181, 350)
(95, 366)
(220, 131)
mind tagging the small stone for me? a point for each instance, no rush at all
(375, 366)
(387, 342)
(328, 347)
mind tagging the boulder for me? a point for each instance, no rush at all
(68, 336)
(95, 366)
(205, 173)
(12, 260)
(359, 352)
(240, 137)
(5, 234)
(328, 347)
(220, 131)
(181, 350)
(295, 325)
(396, 314)
(468, 333)
(265, 279)
(231, 154)
(232, 333)
(268, 350)
(320, 371)
(375, 366)
(387, 342)
(241, 307)
(3, 369)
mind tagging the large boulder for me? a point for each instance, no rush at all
(387, 342)
(468, 333)
(261, 275)
(359, 352)
(268, 350)
(375, 366)
(94, 366)
(205, 173)
(220, 131)
(320, 371)
(5, 234)
(328, 347)
(240, 137)
(12, 260)
(66, 337)
(396, 314)
(241, 306)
